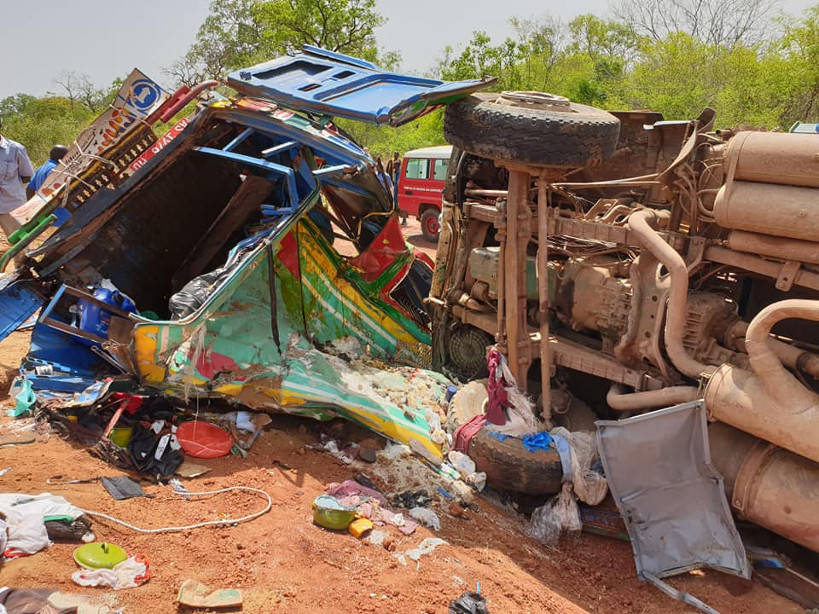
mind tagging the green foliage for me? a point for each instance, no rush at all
(672, 62)
(41, 123)
(240, 33)
(425, 131)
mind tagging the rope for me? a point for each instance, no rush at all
(198, 525)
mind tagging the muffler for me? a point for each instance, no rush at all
(767, 485)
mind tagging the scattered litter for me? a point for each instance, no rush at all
(359, 527)
(558, 515)
(203, 439)
(25, 516)
(538, 441)
(412, 498)
(15, 440)
(328, 512)
(456, 510)
(426, 517)
(179, 488)
(349, 488)
(191, 470)
(469, 603)
(130, 573)
(461, 462)
(122, 487)
(376, 537)
(194, 594)
(24, 399)
(427, 546)
(100, 555)
(346, 455)
(65, 530)
(42, 600)
(4, 471)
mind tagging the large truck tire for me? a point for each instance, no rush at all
(507, 464)
(507, 128)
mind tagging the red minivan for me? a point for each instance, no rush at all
(420, 186)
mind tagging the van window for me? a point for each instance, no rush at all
(439, 170)
(417, 168)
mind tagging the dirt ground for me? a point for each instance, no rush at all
(283, 562)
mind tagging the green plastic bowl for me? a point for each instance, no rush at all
(330, 514)
(99, 555)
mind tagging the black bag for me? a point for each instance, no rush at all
(468, 603)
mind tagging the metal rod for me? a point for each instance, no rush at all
(543, 296)
(517, 240)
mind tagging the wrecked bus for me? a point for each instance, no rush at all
(228, 239)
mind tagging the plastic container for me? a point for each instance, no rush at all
(94, 319)
(330, 514)
(99, 555)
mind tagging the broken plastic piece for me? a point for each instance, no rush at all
(359, 527)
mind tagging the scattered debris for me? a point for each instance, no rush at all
(469, 603)
(122, 487)
(101, 555)
(328, 512)
(427, 517)
(194, 594)
(359, 527)
(129, 573)
(427, 546)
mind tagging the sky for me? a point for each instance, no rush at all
(105, 39)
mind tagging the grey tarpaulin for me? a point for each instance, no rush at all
(672, 500)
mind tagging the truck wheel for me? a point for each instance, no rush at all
(531, 128)
(507, 464)
(429, 225)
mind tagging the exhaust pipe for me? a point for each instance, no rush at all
(650, 239)
(769, 403)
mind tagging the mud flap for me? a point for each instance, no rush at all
(669, 494)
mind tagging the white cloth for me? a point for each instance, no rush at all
(14, 165)
(25, 516)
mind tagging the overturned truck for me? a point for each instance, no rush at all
(619, 262)
(624, 263)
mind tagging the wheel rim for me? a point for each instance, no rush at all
(431, 225)
(540, 100)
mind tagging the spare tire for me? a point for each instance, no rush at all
(531, 128)
(508, 465)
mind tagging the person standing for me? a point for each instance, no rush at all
(41, 174)
(15, 171)
(394, 170)
(383, 176)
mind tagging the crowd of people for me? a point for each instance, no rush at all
(18, 179)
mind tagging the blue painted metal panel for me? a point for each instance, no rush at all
(18, 300)
(338, 85)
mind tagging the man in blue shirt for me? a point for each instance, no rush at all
(15, 172)
(41, 174)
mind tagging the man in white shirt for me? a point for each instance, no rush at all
(15, 172)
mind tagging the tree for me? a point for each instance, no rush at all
(81, 90)
(240, 33)
(720, 23)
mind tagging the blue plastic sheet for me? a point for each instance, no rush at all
(538, 441)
